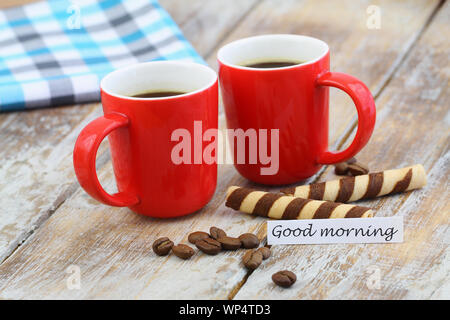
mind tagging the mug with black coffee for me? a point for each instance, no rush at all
(279, 84)
(143, 106)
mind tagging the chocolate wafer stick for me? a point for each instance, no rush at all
(279, 206)
(366, 186)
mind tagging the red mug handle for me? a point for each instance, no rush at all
(365, 105)
(84, 155)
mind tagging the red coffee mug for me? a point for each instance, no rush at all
(141, 138)
(292, 99)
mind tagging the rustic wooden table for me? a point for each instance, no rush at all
(48, 223)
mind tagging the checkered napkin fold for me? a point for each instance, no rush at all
(55, 52)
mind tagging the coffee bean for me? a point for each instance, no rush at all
(357, 169)
(229, 243)
(252, 259)
(183, 251)
(209, 246)
(198, 235)
(265, 252)
(284, 278)
(341, 168)
(249, 240)
(216, 233)
(162, 246)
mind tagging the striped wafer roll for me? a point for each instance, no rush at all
(279, 206)
(366, 186)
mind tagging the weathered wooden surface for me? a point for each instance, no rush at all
(112, 246)
(410, 129)
(370, 55)
(36, 173)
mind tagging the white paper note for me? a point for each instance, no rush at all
(348, 230)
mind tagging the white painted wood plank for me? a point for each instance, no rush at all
(410, 129)
(112, 245)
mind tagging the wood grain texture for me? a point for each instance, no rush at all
(211, 21)
(113, 251)
(370, 55)
(112, 246)
(181, 12)
(410, 129)
(36, 173)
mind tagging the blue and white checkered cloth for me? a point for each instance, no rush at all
(56, 52)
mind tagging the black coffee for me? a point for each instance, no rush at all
(273, 64)
(158, 94)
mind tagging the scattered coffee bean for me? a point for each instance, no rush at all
(341, 168)
(284, 278)
(229, 243)
(162, 246)
(249, 240)
(183, 251)
(252, 259)
(265, 252)
(216, 233)
(357, 169)
(198, 235)
(209, 246)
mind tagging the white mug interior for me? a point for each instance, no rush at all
(158, 76)
(272, 47)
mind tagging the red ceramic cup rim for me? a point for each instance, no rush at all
(190, 77)
(272, 46)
